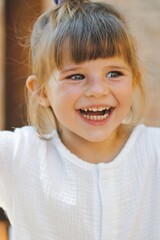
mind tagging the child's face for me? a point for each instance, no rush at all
(91, 99)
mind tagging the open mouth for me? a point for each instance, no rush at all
(96, 114)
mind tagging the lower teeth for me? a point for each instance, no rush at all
(96, 117)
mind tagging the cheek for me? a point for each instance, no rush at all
(126, 89)
(124, 94)
(61, 96)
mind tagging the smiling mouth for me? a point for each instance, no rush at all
(96, 114)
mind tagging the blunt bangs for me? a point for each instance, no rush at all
(88, 36)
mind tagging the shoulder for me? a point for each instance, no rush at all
(146, 132)
(11, 141)
(16, 135)
(152, 138)
(16, 131)
(149, 135)
(143, 135)
(25, 142)
(147, 143)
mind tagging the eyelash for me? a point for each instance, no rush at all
(81, 76)
(75, 75)
(117, 73)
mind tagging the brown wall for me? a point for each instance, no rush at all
(20, 15)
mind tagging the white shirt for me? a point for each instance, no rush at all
(51, 194)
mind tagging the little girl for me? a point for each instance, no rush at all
(85, 169)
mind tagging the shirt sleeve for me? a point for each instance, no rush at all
(7, 142)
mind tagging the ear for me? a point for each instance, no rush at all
(37, 90)
(134, 84)
(136, 79)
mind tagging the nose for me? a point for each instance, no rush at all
(97, 87)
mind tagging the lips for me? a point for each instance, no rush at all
(96, 113)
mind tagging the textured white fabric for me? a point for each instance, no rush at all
(50, 194)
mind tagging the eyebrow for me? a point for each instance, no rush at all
(120, 67)
(72, 68)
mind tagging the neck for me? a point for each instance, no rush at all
(97, 152)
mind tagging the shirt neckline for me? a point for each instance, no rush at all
(74, 159)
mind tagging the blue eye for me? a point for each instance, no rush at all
(114, 74)
(76, 77)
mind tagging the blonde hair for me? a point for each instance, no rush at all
(90, 30)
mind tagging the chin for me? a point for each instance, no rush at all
(96, 138)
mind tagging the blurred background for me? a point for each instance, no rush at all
(16, 20)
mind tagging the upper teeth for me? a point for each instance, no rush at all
(95, 109)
